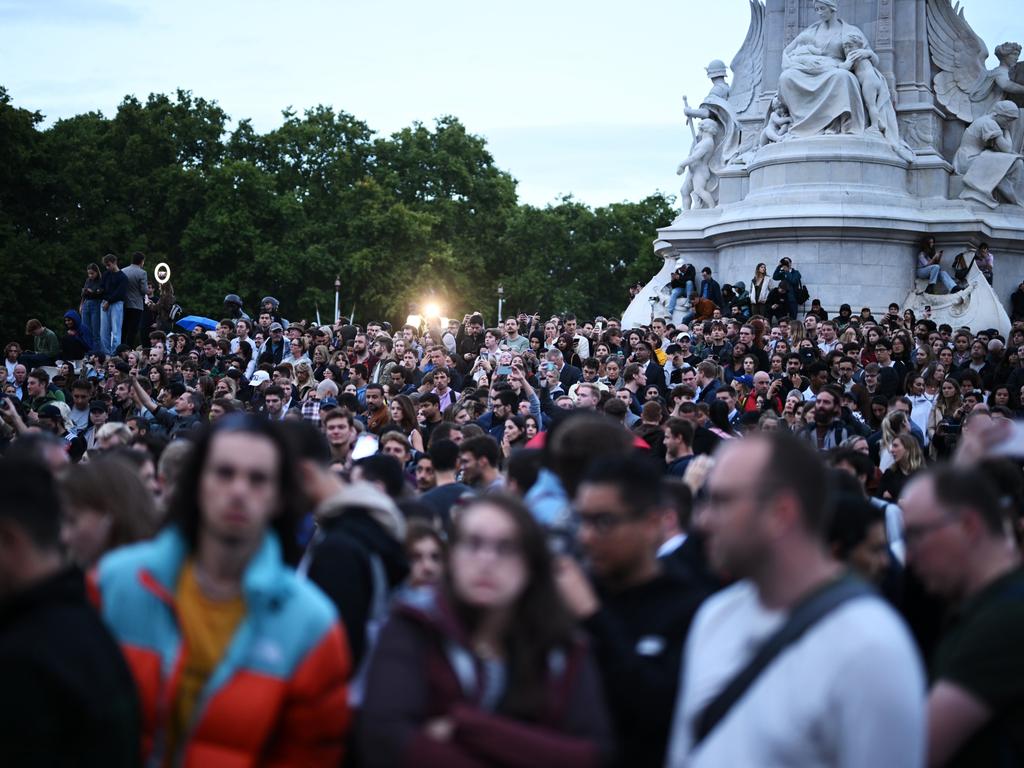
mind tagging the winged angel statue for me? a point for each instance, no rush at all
(963, 85)
(988, 99)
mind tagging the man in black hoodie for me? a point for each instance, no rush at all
(68, 697)
(637, 614)
(357, 555)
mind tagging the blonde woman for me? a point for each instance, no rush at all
(894, 424)
(304, 380)
(907, 460)
(849, 336)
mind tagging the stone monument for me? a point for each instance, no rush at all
(846, 132)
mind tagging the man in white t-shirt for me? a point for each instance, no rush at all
(850, 690)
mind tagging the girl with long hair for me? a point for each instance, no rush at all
(907, 459)
(403, 413)
(92, 298)
(514, 436)
(760, 288)
(489, 663)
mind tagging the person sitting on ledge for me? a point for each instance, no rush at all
(929, 267)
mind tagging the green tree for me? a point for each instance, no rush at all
(423, 212)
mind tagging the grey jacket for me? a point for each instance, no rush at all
(135, 298)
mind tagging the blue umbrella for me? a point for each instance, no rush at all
(191, 321)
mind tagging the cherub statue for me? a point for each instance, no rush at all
(776, 123)
(700, 182)
(875, 90)
(872, 85)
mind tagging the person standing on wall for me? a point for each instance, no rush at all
(790, 279)
(134, 299)
(115, 288)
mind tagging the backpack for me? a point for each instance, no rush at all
(380, 606)
(961, 267)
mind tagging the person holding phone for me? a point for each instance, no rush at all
(929, 268)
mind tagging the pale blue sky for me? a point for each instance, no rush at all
(573, 97)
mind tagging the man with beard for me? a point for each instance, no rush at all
(828, 430)
(470, 338)
(360, 352)
(377, 418)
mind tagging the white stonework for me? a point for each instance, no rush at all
(850, 210)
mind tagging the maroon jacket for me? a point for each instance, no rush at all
(413, 679)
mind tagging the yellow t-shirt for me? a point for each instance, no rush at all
(207, 627)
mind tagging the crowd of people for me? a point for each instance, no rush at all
(734, 540)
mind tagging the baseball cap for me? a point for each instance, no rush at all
(50, 412)
(276, 327)
(260, 377)
(97, 405)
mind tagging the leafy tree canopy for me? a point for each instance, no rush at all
(422, 211)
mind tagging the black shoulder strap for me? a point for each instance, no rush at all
(804, 616)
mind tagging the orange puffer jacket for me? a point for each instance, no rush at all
(277, 698)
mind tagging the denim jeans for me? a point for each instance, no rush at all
(934, 273)
(110, 327)
(674, 297)
(91, 318)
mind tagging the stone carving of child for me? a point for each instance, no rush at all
(776, 126)
(877, 99)
(699, 163)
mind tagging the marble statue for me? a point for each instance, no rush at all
(877, 99)
(776, 123)
(987, 158)
(976, 306)
(716, 106)
(816, 83)
(962, 83)
(700, 183)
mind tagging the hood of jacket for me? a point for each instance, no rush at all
(377, 504)
(81, 328)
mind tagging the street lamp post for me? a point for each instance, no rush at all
(501, 299)
(337, 294)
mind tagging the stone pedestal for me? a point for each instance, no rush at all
(848, 211)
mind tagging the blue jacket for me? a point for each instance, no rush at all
(84, 333)
(279, 693)
(789, 280)
(710, 289)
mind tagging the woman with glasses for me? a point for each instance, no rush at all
(489, 666)
(296, 353)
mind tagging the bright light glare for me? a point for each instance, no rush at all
(432, 310)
